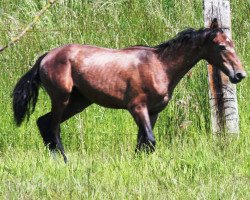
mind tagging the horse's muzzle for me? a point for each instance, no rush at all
(238, 77)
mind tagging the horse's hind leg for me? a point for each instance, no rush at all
(57, 110)
(49, 140)
(76, 104)
(61, 112)
(43, 124)
(49, 124)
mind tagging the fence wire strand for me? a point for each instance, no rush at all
(29, 26)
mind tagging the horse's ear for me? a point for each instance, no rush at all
(214, 24)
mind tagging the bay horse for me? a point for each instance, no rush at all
(140, 79)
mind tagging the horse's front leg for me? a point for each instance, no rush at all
(145, 123)
(140, 139)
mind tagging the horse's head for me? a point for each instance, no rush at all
(221, 54)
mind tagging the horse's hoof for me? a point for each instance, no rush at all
(148, 147)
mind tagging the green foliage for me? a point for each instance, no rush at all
(189, 163)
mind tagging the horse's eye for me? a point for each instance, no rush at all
(222, 47)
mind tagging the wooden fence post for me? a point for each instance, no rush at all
(222, 93)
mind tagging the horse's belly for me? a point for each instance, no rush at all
(103, 85)
(104, 96)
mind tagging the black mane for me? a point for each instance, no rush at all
(186, 36)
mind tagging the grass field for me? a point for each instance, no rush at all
(189, 162)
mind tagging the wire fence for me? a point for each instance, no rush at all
(30, 25)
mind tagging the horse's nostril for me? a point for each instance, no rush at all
(240, 75)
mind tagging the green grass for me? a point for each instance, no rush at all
(189, 162)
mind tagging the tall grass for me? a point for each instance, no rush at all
(189, 163)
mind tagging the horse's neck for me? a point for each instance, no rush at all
(177, 62)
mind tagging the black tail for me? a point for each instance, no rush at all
(25, 93)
